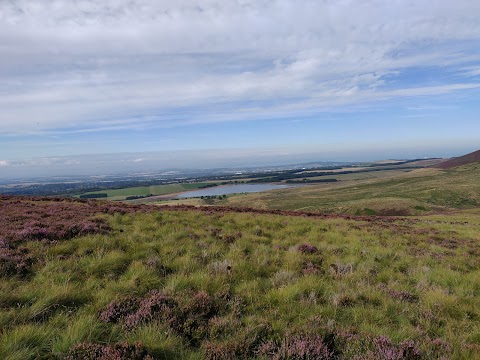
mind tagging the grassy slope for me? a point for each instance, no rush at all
(404, 280)
(409, 193)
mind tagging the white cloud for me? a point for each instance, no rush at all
(115, 64)
(4, 163)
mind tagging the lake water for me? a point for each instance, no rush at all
(232, 189)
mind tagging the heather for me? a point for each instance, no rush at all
(97, 280)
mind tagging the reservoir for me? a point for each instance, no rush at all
(233, 189)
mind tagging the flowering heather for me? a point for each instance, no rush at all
(50, 219)
(309, 268)
(406, 350)
(117, 351)
(307, 249)
(243, 345)
(296, 347)
(399, 295)
(118, 310)
(155, 306)
(14, 261)
(154, 263)
(189, 320)
(254, 296)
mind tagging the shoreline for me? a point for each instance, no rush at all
(174, 196)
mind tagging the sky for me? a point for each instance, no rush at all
(213, 82)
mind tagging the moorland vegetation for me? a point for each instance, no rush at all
(87, 279)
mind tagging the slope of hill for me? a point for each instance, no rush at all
(91, 280)
(461, 160)
(416, 192)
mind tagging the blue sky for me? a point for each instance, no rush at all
(232, 79)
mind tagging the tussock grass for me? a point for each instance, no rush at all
(276, 283)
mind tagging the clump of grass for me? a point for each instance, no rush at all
(221, 267)
(392, 281)
(340, 269)
(283, 277)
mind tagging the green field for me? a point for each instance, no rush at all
(414, 192)
(361, 175)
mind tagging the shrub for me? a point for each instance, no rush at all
(117, 351)
(242, 345)
(307, 249)
(296, 347)
(385, 350)
(14, 261)
(155, 264)
(399, 295)
(118, 310)
(155, 305)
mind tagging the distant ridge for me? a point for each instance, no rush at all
(459, 161)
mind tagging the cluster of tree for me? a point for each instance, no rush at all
(213, 197)
(311, 181)
(135, 197)
(209, 185)
(93, 196)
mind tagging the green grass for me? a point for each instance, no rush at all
(350, 287)
(362, 175)
(402, 194)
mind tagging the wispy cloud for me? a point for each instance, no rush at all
(141, 64)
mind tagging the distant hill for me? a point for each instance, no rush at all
(459, 161)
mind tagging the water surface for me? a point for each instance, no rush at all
(233, 189)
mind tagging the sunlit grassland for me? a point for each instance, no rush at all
(362, 175)
(405, 280)
(413, 193)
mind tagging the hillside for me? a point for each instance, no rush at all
(92, 279)
(415, 192)
(473, 157)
